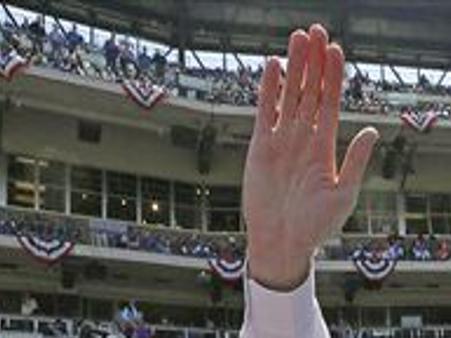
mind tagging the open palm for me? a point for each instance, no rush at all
(293, 193)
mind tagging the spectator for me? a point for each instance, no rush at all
(420, 249)
(37, 34)
(160, 65)
(144, 61)
(56, 40)
(74, 39)
(127, 59)
(111, 51)
(443, 251)
(396, 248)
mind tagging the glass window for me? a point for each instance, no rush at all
(155, 201)
(121, 191)
(440, 211)
(52, 190)
(101, 309)
(223, 208)
(382, 209)
(21, 181)
(374, 316)
(188, 199)
(416, 213)
(86, 193)
(358, 222)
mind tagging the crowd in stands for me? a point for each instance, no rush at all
(395, 247)
(118, 59)
(120, 235)
(124, 235)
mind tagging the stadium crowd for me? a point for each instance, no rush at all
(123, 235)
(118, 59)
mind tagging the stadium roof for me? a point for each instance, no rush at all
(398, 32)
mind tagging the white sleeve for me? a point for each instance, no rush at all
(294, 314)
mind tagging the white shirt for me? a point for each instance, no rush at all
(294, 314)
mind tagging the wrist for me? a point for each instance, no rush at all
(278, 275)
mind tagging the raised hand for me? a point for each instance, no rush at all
(294, 196)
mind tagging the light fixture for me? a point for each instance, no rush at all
(198, 192)
(123, 202)
(84, 196)
(155, 206)
(207, 192)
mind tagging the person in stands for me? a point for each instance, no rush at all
(294, 192)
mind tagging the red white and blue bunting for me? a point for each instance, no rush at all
(144, 93)
(228, 271)
(10, 64)
(373, 267)
(45, 251)
(420, 121)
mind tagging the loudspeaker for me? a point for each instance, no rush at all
(207, 140)
(89, 132)
(389, 164)
(184, 137)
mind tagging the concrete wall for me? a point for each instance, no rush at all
(121, 148)
(143, 152)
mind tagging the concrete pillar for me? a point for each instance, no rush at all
(400, 209)
(3, 179)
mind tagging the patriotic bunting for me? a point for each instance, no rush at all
(228, 271)
(144, 93)
(10, 63)
(48, 252)
(373, 267)
(421, 122)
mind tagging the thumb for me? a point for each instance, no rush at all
(357, 158)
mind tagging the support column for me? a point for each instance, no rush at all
(172, 218)
(400, 209)
(68, 188)
(104, 195)
(224, 61)
(3, 179)
(398, 76)
(92, 36)
(442, 77)
(382, 72)
(139, 200)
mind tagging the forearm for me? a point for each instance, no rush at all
(271, 314)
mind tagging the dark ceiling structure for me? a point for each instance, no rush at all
(393, 32)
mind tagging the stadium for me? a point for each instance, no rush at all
(124, 128)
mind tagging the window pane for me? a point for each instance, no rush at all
(374, 316)
(86, 179)
(121, 208)
(121, 189)
(52, 198)
(121, 184)
(51, 173)
(441, 224)
(357, 223)
(440, 203)
(21, 181)
(155, 201)
(223, 208)
(187, 205)
(416, 204)
(52, 185)
(86, 204)
(86, 186)
(416, 225)
(224, 220)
